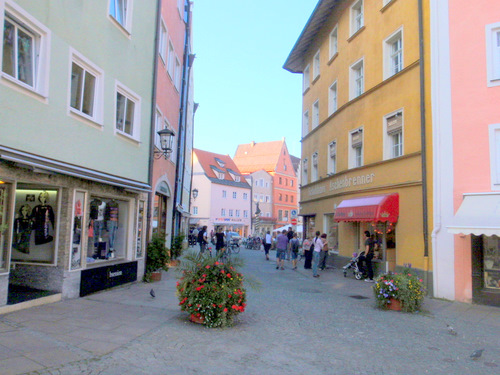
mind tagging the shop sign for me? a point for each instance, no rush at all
(341, 183)
(100, 278)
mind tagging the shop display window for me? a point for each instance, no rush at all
(491, 259)
(77, 230)
(139, 251)
(107, 229)
(4, 224)
(332, 232)
(35, 223)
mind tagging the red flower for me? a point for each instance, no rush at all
(207, 267)
(225, 309)
(228, 296)
(228, 275)
(216, 263)
(220, 306)
(200, 287)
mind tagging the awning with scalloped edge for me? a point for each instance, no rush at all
(373, 208)
(478, 214)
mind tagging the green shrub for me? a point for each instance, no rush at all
(156, 256)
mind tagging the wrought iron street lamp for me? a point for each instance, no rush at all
(166, 140)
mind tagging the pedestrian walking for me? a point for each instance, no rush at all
(203, 239)
(369, 252)
(294, 248)
(220, 237)
(281, 248)
(307, 249)
(268, 240)
(318, 245)
(324, 253)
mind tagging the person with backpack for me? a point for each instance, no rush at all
(203, 239)
(307, 249)
(294, 248)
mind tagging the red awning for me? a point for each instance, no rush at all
(374, 208)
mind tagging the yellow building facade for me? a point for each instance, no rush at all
(364, 129)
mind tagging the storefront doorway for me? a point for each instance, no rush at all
(486, 269)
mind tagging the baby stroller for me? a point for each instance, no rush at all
(359, 273)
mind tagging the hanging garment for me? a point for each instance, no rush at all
(43, 216)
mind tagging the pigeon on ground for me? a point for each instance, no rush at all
(451, 330)
(152, 293)
(476, 354)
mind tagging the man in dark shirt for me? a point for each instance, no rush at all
(289, 234)
(369, 252)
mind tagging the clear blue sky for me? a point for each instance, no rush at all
(243, 92)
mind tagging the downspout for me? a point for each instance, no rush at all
(153, 128)
(179, 166)
(423, 140)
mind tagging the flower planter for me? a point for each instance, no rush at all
(155, 276)
(197, 319)
(394, 304)
(173, 263)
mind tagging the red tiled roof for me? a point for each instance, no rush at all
(208, 161)
(251, 157)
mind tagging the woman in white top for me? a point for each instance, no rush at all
(318, 245)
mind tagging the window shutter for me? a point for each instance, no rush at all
(395, 124)
(357, 139)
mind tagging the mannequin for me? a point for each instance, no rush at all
(97, 208)
(23, 226)
(111, 216)
(43, 215)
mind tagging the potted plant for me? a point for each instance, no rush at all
(176, 249)
(156, 258)
(399, 291)
(211, 291)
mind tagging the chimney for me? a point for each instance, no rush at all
(252, 143)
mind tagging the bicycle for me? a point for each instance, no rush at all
(235, 248)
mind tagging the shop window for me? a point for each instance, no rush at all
(79, 205)
(107, 229)
(35, 224)
(141, 222)
(491, 262)
(5, 193)
(160, 213)
(332, 230)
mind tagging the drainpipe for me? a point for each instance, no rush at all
(423, 141)
(153, 128)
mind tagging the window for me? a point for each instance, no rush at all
(245, 196)
(286, 181)
(306, 80)
(25, 46)
(234, 194)
(86, 89)
(280, 215)
(158, 126)
(304, 171)
(314, 163)
(316, 66)
(220, 175)
(261, 198)
(163, 42)
(494, 131)
(280, 197)
(268, 199)
(256, 197)
(332, 158)
(223, 212)
(393, 54)
(332, 98)
(393, 135)
(128, 112)
(291, 198)
(171, 60)
(230, 213)
(180, 7)
(315, 114)
(357, 79)
(305, 123)
(284, 166)
(286, 197)
(280, 180)
(493, 53)
(224, 194)
(195, 210)
(261, 182)
(356, 152)
(333, 42)
(291, 183)
(256, 183)
(237, 213)
(245, 213)
(220, 162)
(118, 9)
(357, 21)
(178, 72)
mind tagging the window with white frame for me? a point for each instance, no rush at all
(245, 196)
(163, 42)
(245, 213)
(316, 66)
(256, 197)
(223, 212)
(306, 78)
(494, 131)
(261, 198)
(224, 194)
(235, 195)
(268, 214)
(356, 149)
(178, 73)
(315, 114)
(86, 88)
(119, 10)
(357, 78)
(305, 123)
(493, 54)
(357, 18)
(280, 215)
(171, 60)
(333, 41)
(291, 183)
(304, 171)
(314, 165)
(237, 212)
(128, 112)
(268, 198)
(332, 157)
(195, 210)
(230, 213)
(393, 54)
(332, 98)
(25, 46)
(393, 135)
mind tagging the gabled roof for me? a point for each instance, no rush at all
(209, 164)
(295, 61)
(251, 157)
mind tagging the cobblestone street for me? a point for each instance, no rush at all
(294, 324)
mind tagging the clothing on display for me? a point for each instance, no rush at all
(43, 216)
(22, 233)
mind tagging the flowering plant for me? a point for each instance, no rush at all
(406, 287)
(211, 289)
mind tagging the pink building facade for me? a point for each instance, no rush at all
(466, 148)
